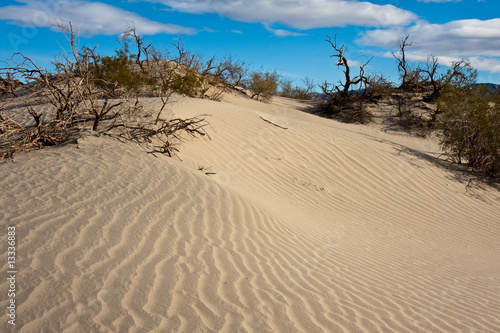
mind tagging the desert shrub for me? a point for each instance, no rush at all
(116, 75)
(461, 74)
(288, 90)
(413, 80)
(8, 85)
(470, 124)
(349, 110)
(15, 137)
(112, 72)
(379, 87)
(263, 85)
(189, 84)
(232, 72)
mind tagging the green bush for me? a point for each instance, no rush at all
(117, 72)
(470, 123)
(263, 84)
(190, 84)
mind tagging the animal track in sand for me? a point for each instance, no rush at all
(309, 185)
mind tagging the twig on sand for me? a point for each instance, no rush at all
(267, 121)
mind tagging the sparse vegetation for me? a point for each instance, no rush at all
(379, 87)
(88, 87)
(89, 91)
(287, 89)
(468, 117)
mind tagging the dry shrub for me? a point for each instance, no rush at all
(290, 91)
(379, 87)
(15, 137)
(8, 85)
(348, 110)
(167, 134)
(87, 88)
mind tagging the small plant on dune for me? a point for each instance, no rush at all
(188, 84)
(263, 85)
(379, 87)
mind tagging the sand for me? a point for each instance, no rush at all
(312, 226)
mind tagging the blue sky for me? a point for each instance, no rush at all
(283, 35)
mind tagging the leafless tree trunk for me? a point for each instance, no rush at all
(431, 69)
(403, 66)
(343, 62)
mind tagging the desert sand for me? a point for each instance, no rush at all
(312, 226)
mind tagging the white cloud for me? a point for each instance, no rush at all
(92, 18)
(439, 0)
(299, 14)
(282, 32)
(478, 40)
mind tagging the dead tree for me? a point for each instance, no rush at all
(130, 32)
(344, 87)
(408, 76)
(431, 69)
(461, 74)
(344, 103)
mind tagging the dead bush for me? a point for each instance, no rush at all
(288, 90)
(87, 88)
(167, 134)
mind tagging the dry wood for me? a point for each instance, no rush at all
(267, 121)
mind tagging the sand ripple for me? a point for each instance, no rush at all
(317, 228)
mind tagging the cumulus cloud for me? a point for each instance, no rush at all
(299, 14)
(92, 18)
(478, 40)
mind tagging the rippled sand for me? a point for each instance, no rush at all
(319, 227)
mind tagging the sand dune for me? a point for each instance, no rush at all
(319, 227)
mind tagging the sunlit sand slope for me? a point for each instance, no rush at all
(307, 226)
